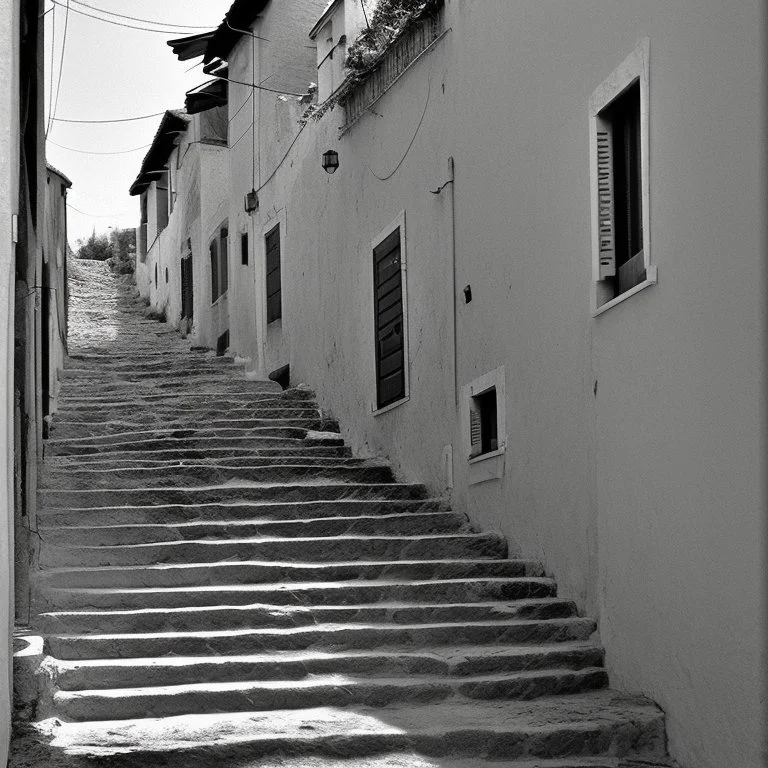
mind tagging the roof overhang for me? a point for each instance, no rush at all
(212, 94)
(57, 172)
(191, 47)
(173, 124)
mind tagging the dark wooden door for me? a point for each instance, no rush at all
(388, 319)
(274, 286)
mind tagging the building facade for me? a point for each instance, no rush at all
(520, 285)
(32, 312)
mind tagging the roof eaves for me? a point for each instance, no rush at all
(324, 18)
(239, 17)
(52, 169)
(173, 122)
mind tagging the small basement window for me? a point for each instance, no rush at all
(485, 418)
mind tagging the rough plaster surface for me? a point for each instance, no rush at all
(266, 608)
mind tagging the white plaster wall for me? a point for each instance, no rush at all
(8, 191)
(211, 319)
(646, 499)
(289, 63)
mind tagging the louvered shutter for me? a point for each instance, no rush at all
(389, 321)
(605, 201)
(274, 278)
(475, 429)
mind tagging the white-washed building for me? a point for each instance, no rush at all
(182, 187)
(536, 281)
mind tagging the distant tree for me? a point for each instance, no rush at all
(95, 248)
(123, 243)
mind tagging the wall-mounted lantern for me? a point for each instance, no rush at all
(330, 161)
(252, 201)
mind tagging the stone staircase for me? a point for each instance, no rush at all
(220, 581)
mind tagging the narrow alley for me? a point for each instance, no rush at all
(220, 581)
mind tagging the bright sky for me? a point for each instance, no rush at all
(112, 72)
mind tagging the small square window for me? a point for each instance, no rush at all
(484, 417)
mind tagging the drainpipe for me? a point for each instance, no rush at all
(451, 179)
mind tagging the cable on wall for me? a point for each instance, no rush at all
(413, 139)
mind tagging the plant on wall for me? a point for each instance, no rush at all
(389, 21)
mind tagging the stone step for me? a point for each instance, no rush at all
(244, 391)
(298, 593)
(322, 690)
(227, 617)
(182, 476)
(239, 511)
(308, 549)
(600, 722)
(124, 434)
(309, 419)
(452, 661)
(190, 402)
(311, 457)
(317, 637)
(73, 392)
(186, 416)
(183, 440)
(173, 457)
(196, 575)
(415, 524)
(154, 372)
(253, 492)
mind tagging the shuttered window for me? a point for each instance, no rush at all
(619, 191)
(244, 249)
(388, 321)
(214, 251)
(273, 282)
(223, 261)
(187, 292)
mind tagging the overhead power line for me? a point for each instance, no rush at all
(164, 31)
(134, 18)
(116, 120)
(92, 152)
(52, 114)
(99, 215)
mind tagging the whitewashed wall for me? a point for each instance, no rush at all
(635, 440)
(9, 105)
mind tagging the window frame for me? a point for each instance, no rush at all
(399, 222)
(634, 69)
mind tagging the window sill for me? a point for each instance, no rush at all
(390, 407)
(489, 455)
(219, 298)
(651, 279)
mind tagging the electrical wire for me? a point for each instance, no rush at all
(134, 18)
(61, 69)
(282, 159)
(413, 139)
(260, 87)
(116, 120)
(241, 107)
(97, 215)
(365, 15)
(91, 152)
(120, 23)
(53, 52)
